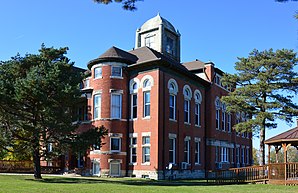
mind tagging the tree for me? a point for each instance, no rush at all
(263, 89)
(38, 93)
(292, 155)
(283, 1)
(256, 156)
(127, 4)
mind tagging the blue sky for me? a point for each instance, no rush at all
(219, 31)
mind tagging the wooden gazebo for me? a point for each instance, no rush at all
(283, 172)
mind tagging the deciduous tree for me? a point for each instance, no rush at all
(264, 90)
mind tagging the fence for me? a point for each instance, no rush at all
(276, 173)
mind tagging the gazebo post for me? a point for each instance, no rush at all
(276, 153)
(269, 147)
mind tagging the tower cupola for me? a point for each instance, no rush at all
(160, 35)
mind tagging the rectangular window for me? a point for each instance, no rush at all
(133, 150)
(224, 154)
(98, 72)
(147, 104)
(134, 106)
(238, 155)
(247, 156)
(97, 106)
(242, 156)
(217, 119)
(87, 83)
(197, 152)
(229, 123)
(149, 41)
(186, 111)
(217, 154)
(115, 144)
(146, 149)
(243, 134)
(186, 151)
(232, 155)
(172, 106)
(116, 71)
(172, 150)
(223, 120)
(198, 114)
(116, 100)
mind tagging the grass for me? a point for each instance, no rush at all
(26, 183)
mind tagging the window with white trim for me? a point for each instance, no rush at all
(146, 88)
(149, 41)
(229, 122)
(147, 104)
(237, 155)
(172, 106)
(115, 144)
(172, 150)
(223, 119)
(134, 99)
(247, 155)
(134, 106)
(186, 151)
(87, 83)
(197, 152)
(116, 71)
(116, 101)
(232, 155)
(217, 154)
(133, 150)
(224, 154)
(145, 149)
(187, 97)
(97, 72)
(186, 111)
(217, 113)
(97, 106)
(198, 100)
(173, 90)
(242, 156)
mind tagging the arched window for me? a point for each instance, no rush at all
(173, 90)
(198, 101)
(187, 97)
(147, 83)
(134, 86)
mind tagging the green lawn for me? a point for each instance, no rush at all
(20, 184)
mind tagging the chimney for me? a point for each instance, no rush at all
(209, 70)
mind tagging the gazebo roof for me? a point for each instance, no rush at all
(288, 137)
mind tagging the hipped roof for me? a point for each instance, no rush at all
(290, 136)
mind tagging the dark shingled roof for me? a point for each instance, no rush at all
(290, 136)
(114, 54)
(146, 54)
(194, 65)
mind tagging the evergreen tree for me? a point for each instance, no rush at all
(38, 93)
(264, 89)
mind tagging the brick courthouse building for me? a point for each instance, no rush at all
(161, 114)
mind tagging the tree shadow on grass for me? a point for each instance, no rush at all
(118, 181)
